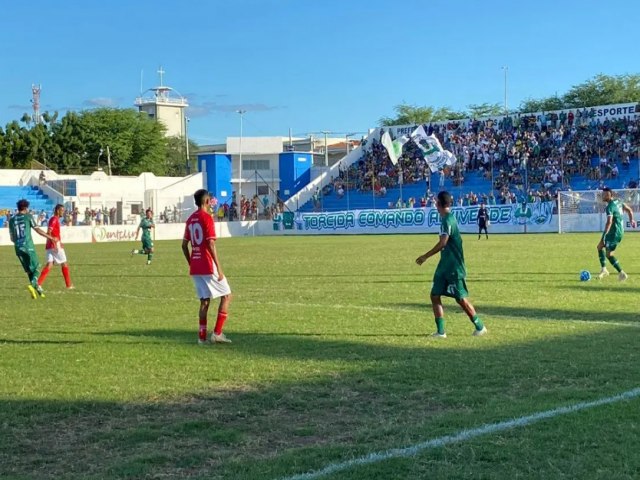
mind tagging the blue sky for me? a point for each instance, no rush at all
(306, 64)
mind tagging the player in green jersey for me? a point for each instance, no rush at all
(20, 226)
(146, 224)
(449, 278)
(613, 233)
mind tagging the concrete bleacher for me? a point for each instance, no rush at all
(38, 200)
(474, 182)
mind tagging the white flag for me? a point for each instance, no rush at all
(436, 157)
(394, 147)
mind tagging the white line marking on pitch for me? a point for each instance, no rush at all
(462, 436)
(365, 308)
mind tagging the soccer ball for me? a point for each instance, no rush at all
(585, 276)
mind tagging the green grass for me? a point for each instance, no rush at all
(331, 360)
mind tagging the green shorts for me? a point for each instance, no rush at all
(147, 244)
(449, 287)
(611, 243)
(28, 260)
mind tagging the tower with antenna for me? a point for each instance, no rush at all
(166, 105)
(35, 100)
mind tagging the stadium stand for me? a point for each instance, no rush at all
(38, 201)
(528, 156)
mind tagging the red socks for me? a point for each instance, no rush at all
(202, 332)
(65, 274)
(222, 317)
(43, 275)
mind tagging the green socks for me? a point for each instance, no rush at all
(477, 322)
(602, 257)
(614, 261)
(440, 325)
(149, 257)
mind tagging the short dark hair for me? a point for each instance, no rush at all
(607, 189)
(59, 205)
(199, 196)
(22, 204)
(445, 199)
(148, 210)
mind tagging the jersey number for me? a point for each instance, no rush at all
(195, 229)
(19, 230)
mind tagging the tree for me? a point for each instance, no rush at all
(602, 90)
(413, 115)
(542, 105)
(176, 157)
(485, 110)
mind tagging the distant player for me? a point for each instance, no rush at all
(205, 269)
(20, 227)
(483, 221)
(613, 233)
(146, 225)
(55, 250)
(450, 274)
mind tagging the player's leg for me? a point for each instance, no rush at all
(479, 230)
(25, 261)
(149, 254)
(66, 275)
(438, 313)
(461, 295)
(486, 232)
(202, 320)
(34, 272)
(611, 248)
(602, 258)
(223, 312)
(45, 271)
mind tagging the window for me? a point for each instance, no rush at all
(263, 189)
(255, 165)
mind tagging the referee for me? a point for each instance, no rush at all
(483, 221)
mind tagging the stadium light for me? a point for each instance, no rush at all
(239, 202)
(506, 108)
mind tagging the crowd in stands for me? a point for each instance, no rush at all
(254, 208)
(527, 156)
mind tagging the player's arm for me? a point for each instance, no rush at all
(185, 250)
(211, 246)
(607, 226)
(41, 232)
(442, 242)
(627, 209)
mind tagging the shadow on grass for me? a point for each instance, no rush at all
(534, 313)
(371, 397)
(43, 342)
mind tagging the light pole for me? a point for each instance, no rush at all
(346, 137)
(186, 143)
(326, 148)
(239, 204)
(506, 107)
(99, 155)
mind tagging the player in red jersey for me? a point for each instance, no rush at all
(55, 250)
(204, 267)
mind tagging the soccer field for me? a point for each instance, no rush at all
(331, 361)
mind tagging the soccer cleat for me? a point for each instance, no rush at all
(148, 262)
(71, 287)
(438, 335)
(622, 276)
(222, 338)
(479, 333)
(32, 291)
(203, 342)
(40, 291)
(603, 273)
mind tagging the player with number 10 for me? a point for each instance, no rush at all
(204, 267)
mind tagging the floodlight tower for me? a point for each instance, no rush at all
(35, 100)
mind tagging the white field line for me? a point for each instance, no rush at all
(462, 436)
(365, 308)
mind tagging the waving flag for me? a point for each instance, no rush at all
(436, 157)
(394, 147)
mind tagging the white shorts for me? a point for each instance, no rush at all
(56, 256)
(208, 286)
